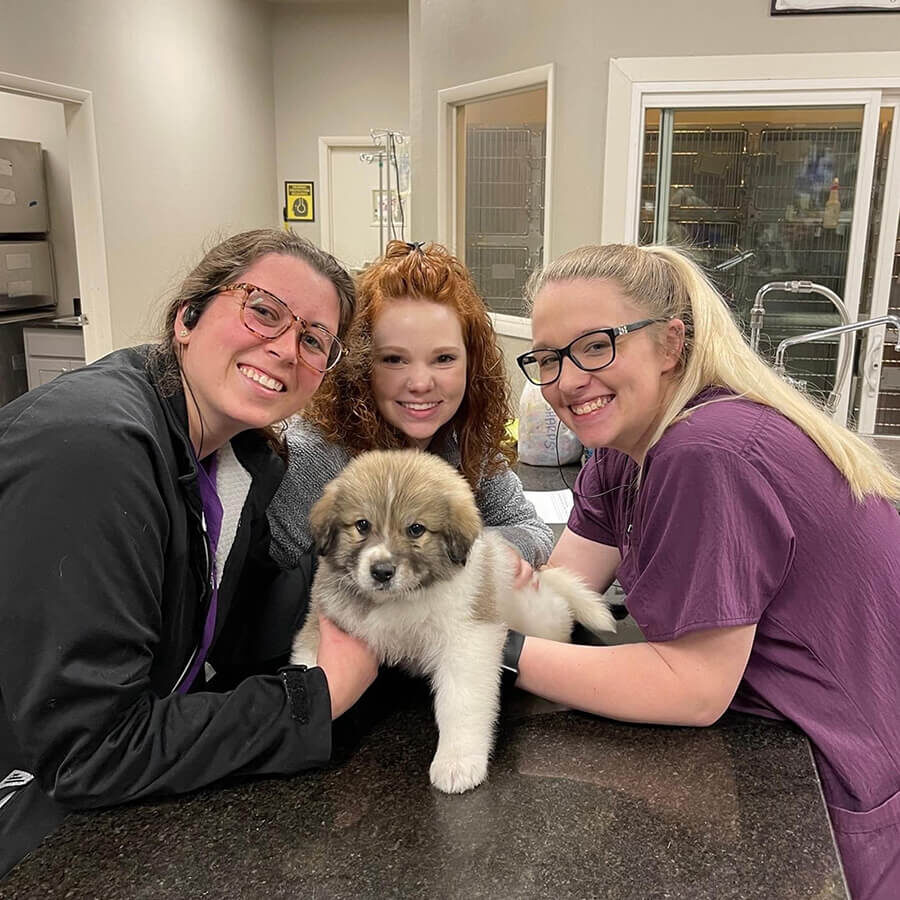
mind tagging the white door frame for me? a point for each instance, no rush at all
(326, 145)
(804, 79)
(873, 340)
(87, 210)
(489, 88)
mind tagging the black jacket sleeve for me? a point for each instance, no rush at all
(86, 532)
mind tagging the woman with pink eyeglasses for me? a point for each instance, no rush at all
(144, 628)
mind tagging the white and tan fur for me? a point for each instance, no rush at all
(437, 602)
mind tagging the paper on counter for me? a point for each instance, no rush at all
(552, 506)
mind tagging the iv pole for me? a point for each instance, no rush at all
(385, 140)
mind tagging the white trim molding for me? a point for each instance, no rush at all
(872, 348)
(87, 209)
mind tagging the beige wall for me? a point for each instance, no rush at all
(525, 107)
(184, 113)
(340, 69)
(458, 41)
(32, 119)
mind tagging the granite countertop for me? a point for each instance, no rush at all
(60, 322)
(574, 806)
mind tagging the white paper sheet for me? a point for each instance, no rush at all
(552, 506)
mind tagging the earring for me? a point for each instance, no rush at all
(183, 333)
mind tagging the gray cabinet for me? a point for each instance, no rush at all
(23, 193)
(26, 276)
(50, 352)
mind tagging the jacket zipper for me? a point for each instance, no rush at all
(206, 595)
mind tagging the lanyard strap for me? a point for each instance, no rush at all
(212, 527)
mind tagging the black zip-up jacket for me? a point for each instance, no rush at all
(104, 589)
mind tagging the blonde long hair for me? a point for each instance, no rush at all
(667, 284)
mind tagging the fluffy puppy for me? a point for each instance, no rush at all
(406, 566)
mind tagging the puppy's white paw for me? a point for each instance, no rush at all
(457, 774)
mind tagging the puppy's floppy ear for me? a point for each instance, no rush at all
(463, 527)
(323, 523)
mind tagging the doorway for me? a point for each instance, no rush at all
(494, 196)
(87, 214)
(785, 84)
(760, 195)
(365, 196)
(783, 194)
(500, 177)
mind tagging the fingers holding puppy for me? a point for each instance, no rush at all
(349, 664)
(523, 574)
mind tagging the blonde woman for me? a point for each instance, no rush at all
(756, 540)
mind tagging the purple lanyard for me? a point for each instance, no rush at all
(212, 515)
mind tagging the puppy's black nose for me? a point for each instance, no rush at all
(383, 572)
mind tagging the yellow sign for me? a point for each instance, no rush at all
(299, 205)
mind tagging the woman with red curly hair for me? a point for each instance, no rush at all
(423, 369)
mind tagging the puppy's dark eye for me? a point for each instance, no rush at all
(417, 529)
(363, 526)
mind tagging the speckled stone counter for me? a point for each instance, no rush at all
(574, 807)
(63, 322)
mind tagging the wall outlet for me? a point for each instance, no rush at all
(18, 362)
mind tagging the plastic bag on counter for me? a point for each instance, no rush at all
(540, 443)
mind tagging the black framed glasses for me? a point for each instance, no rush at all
(269, 317)
(590, 352)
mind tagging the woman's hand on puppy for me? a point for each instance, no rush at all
(349, 664)
(523, 574)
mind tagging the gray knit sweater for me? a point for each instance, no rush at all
(313, 462)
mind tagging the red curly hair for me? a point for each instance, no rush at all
(344, 406)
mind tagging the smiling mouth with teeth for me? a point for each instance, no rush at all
(419, 407)
(262, 379)
(593, 405)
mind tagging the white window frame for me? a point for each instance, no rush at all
(792, 79)
(489, 88)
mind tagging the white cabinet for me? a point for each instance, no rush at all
(42, 369)
(50, 352)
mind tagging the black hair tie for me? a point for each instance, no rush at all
(415, 245)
